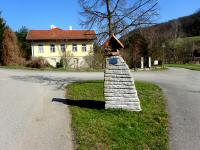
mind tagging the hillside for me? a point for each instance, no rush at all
(187, 26)
(193, 39)
(175, 41)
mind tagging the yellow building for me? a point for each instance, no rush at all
(54, 44)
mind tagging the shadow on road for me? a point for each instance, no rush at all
(59, 83)
(92, 104)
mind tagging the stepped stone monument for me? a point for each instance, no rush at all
(119, 87)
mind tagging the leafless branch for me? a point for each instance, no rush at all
(117, 16)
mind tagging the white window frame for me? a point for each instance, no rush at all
(40, 48)
(52, 48)
(63, 47)
(74, 47)
(84, 47)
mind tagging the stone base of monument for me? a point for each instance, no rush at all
(119, 87)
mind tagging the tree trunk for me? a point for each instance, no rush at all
(109, 17)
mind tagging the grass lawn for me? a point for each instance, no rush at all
(159, 68)
(186, 66)
(96, 128)
(72, 69)
(53, 69)
(188, 39)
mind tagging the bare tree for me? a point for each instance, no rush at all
(155, 41)
(117, 16)
(89, 59)
(67, 58)
(176, 30)
(66, 55)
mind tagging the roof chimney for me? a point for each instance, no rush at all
(53, 26)
(70, 27)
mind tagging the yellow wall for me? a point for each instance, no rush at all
(58, 53)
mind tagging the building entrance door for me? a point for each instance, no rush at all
(75, 63)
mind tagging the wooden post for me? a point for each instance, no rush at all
(142, 62)
(149, 62)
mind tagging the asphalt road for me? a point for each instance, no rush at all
(182, 90)
(31, 120)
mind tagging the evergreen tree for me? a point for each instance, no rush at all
(2, 28)
(25, 46)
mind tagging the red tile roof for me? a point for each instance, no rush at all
(59, 34)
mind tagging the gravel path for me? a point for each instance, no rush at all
(31, 120)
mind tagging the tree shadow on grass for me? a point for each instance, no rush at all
(92, 104)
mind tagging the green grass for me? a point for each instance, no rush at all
(189, 40)
(52, 69)
(158, 68)
(186, 66)
(73, 70)
(96, 128)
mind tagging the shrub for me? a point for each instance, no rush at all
(11, 51)
(95, 59)
(160, 62)
(39, 62)
(60, 64)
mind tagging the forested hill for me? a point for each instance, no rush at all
(191, 24)
(187, 26)
(180, 38)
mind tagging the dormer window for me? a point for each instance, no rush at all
(74, 47)
(52, 48)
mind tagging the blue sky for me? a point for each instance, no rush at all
(40, 14)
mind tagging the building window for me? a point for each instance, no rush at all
(74, 47)
(52, 48)
(62, 46)
(84, 47)
(40, 48)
